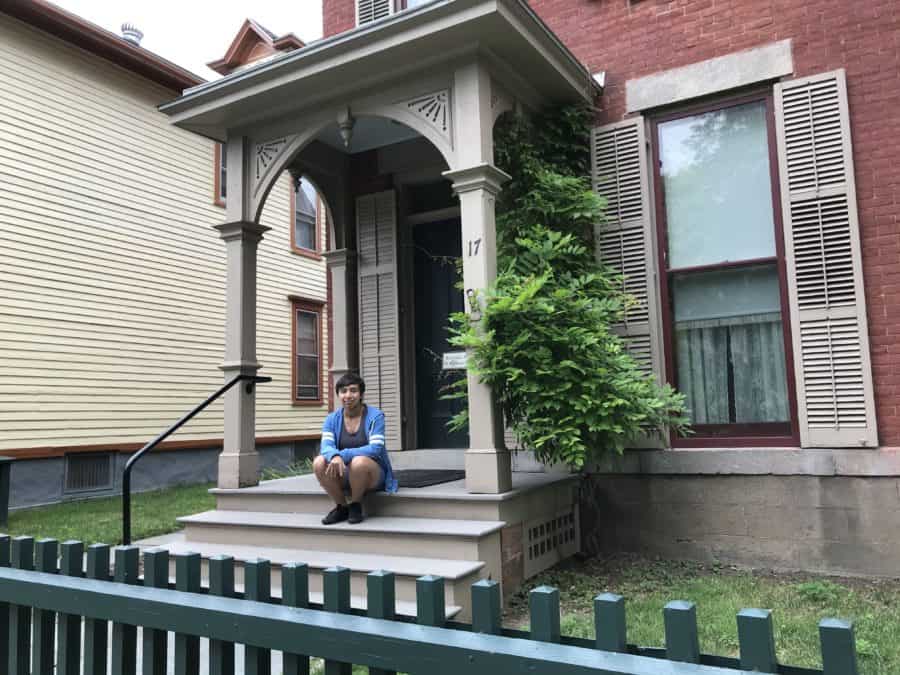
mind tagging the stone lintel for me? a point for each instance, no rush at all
(711, 76)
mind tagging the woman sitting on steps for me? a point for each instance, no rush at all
(353, 455)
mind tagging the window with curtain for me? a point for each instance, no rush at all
(307, 366)
(726, 344)
(304, 217)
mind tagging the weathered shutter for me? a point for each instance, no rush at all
(379, 320)
(624, 240)
(828, 314)
(372, 10)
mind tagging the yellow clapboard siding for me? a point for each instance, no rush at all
(112, 277)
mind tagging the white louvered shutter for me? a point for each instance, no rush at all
(625, 240)
(372, 10)
(828, 315)
(379, 319)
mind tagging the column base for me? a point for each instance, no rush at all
(238, 470)
(488, 471)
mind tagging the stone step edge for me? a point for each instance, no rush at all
(404, 566)
(372, 525)
(403, 493)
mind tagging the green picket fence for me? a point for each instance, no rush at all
(58, 617)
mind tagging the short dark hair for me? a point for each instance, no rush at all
(347, 379)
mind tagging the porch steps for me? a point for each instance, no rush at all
(458, 575)
(379, 535)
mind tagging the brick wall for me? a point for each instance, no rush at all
(338, 16)
(632, 38)
(839, 525)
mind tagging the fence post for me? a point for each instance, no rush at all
(258, 588)
(543, 604)
(187, 647)
(96, 638)
(19, 616)
(486, 607)
(430, 608)
(43, 642)
(757, 640)
(682, 642)
(295, 593)
(381, 603)
(156, 575)
(4, 606)
(336, 582)
(609, 623)
(838, 645)
(124, 641)
(68, 650)
(221, 583)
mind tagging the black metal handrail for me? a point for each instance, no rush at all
(126, 474)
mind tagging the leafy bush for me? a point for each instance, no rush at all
(564, 380)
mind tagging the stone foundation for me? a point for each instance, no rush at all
(835, 525)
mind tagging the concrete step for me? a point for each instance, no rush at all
(458, 575)
(378, 535)
(449, 501)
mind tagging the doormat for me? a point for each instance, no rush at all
(419, 478)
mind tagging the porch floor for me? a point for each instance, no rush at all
(522, 482)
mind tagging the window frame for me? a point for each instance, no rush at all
(218, 199)
(772, 434)
(316, 307)
(313, 253)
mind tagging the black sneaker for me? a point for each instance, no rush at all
(356, 513)
(337, 515)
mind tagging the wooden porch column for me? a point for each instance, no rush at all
(477, 182)
(239, 462)
(341, 272)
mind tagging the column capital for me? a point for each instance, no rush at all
(241, 229)
(480, 177)
(339, 256)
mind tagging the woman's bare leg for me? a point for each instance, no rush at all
(365, 474)
(332, 485)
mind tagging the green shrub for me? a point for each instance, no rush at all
(564, 380)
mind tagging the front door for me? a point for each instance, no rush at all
(438, 249)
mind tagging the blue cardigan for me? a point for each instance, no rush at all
(375, 448)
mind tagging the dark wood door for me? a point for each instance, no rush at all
(438, 247)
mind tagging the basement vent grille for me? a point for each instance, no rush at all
(89, 472)
(549, 540)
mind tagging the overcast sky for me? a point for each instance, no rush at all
(194, 32)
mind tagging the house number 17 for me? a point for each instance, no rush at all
(474, 245)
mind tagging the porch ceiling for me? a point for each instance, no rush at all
(524, 56)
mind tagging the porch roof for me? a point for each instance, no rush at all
(522, 52)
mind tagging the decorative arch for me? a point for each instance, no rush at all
(428, 114)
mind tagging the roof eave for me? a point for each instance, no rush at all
(204, 109)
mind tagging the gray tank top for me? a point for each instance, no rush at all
(357, 440)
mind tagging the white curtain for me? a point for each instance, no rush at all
(755, 347)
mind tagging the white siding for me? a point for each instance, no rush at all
(111, 276)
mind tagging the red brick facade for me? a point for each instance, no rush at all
(632, 38)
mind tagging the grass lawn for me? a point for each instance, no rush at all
(100, 520)
(798, 603)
